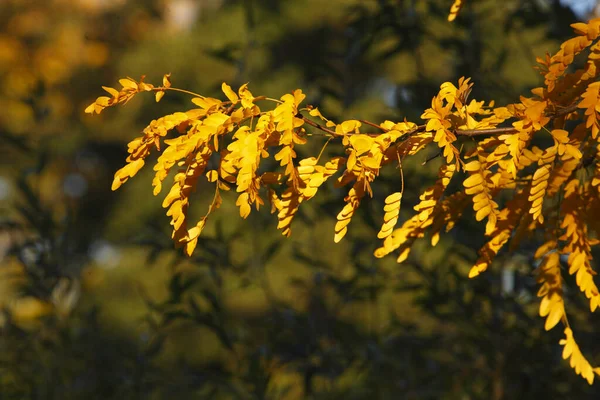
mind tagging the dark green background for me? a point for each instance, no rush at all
(97, 304)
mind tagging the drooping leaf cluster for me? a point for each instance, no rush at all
(528, 169)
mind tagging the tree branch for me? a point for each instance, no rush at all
(509, 129)
(482, 132)
(318, 126)
(457, 132)
(374, 125)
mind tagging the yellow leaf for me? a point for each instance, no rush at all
(246, 96)
(229, 93)
(393, 198)
(316, 113)
(196, 230)
(573, 151)
(554, 317)
(167, 80)
(212, 175)
(190, 247)
(483, 212)
(111, 91)
(298, 96)
(361, 143)
(206, 102)
(473, 180)
(340, 235)
(473, 166)
(128, 171)
(242, 203)
(351, 163)
(403, 255)
(535, 111)
(372, 162)
(560, 135)
(580, 28)
(91, 108)
(477, 269)
(128, 83)
(348, 126)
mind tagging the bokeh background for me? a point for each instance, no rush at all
(94, 301)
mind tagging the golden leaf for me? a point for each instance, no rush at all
(229, 93)
(167, 80)
(212, 175)
(577, 360)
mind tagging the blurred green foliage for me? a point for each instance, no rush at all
(94, 301)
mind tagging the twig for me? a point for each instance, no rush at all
(432, 158)
(318, 126)
(164, 88)
(483, 132)
(374, 125)
(499, 131)
(457, 132)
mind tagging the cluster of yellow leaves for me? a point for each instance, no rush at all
(549, 276)
(428, 209)
(577, 244)
(129, 89)
(311, 177)
(522, 190)
(454, 9)
(552, 307)
(392, 212)
(437, 117)
(366, 155)
(555, 67)
(480, 185)
(507, 219)
(578, 362)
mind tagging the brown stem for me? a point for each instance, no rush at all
(458, 132)
(432, 158)
(482, 132)
(318, 126)
(164, 88)
(374, 125)
(500, 131)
